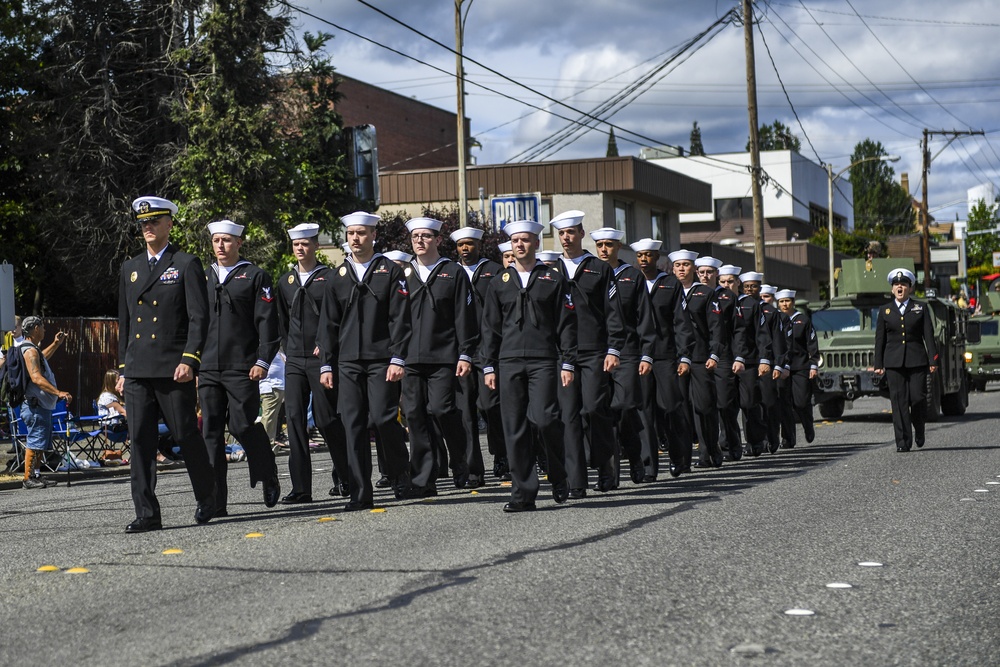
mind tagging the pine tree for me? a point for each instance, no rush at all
(696, 147)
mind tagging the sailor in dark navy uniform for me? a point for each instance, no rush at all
(586, 403)
(663, 404)
(242, 341)
(698, 359)
(162, 324)
(364, 336)
(529, 348)
(773, 322)
(443, 337)
(299, 296)
(481, 272)
(753, 354)
(905, 352)
(723, 308)
(802, 364)
(636, 354)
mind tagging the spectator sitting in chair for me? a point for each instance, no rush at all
(40, 399)
(110, 403)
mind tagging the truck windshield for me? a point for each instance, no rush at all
(845, 319)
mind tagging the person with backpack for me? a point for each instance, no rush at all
(40, 398)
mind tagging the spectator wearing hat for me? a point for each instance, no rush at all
(299, 297)
(365, 335)
(905, 353)
(663, 404)
(801, 366)
(443, 339)
(529, 348)
(40, 398)
(242, 340)
(481, 272)
(585, 404)
(162, 326)
(636, 354)
(697, 361)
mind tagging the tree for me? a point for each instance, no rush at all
(695, 147)
(776, 137)
(881, 206)
(980, 248)
(391, 233)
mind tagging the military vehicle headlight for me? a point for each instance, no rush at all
(968, 357)
(820, 364)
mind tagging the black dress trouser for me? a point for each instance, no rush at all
(908, 396)
(429, 402)
(301, 382)
(589, 430)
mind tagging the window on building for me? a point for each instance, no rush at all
(819, 218)
(658, 226)
(732, 209)
(625, 220)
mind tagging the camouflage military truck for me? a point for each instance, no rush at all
(982, 359)
(845, 327)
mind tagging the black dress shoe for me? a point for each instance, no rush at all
(416, 492)
(635, 470)
(382, 483)
(272, 492)
(736, 453)
(341, 490)
(514, 506)
(675, 470)
(358, 506)
(205, 510)
(461, 479)
(560, 492)
(919, 443)
(772, 447)
(785, 444)
(606, 484)
(475, 481)
(500, 467)
(702, 464)
(144, 525)
(810, 432)
(648, 479)
(295, 498)
(902, 449)
(577, 494)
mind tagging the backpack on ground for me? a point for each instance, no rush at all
(13, 378)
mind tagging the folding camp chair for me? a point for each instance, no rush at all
(52, 457)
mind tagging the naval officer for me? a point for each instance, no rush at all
(905, 352)
(162, 325)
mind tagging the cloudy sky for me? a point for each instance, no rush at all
(852, 69)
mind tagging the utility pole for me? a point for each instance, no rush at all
(924, 217)
(463, 200)
(758, 204)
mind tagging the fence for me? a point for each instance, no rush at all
(90, 350)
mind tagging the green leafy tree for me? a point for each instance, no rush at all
(776, 137)
(881, 206)
(980, 247)
(695, 145)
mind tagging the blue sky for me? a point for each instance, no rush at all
(852, 70)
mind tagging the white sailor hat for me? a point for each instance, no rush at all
(901, 275)
(729, 270)
(398, 256)
(518, 226)
(682, 255)
(646, 244)
(304, 231)
(708, 261)
(607, 234)
(567, 219)
(504, 247)
(768, 289)
(151, 207)
(785, 294)
(346, 248)
(424, 223)
(548, 255)
(359, 218)
(466, 233)
(225, 227)
(751, 277)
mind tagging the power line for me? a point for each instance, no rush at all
(931, 22)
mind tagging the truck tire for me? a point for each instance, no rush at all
(953, 405)
(832, 409)
(933, 398)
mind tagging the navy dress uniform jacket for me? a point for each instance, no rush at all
(636, 310)
(162, 315)
(245, 296)
(707, 340)
(802, 348)
(673, 333)
(298, 309)
(753, 342)
(599, 319)
(443, 320)
(366, 320)
(907, 340)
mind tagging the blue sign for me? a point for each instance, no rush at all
(510, 208)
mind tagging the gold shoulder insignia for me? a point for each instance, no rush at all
(506, 277)
(134, 276)
(343, 271)
(291, 279)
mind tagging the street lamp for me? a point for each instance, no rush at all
(829, 222)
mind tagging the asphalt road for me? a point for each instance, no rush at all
(694, 571)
